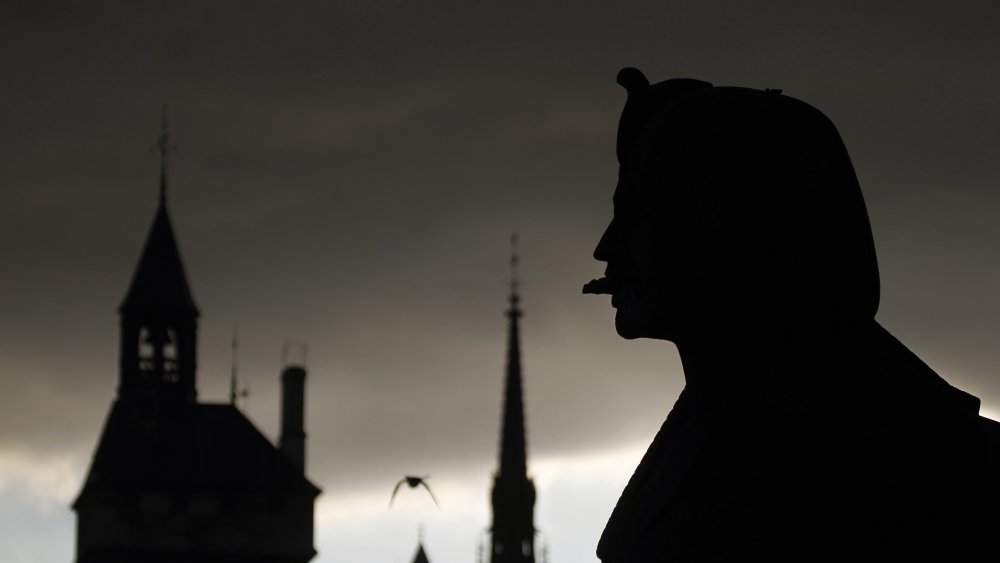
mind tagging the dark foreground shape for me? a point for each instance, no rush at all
(805, 431)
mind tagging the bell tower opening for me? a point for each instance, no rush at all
(157, 354)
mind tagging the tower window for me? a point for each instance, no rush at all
(145, 350)
(158, 352)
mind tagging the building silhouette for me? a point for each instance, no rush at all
(513, 495)
(175, 480)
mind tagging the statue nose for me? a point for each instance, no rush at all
(610, 244)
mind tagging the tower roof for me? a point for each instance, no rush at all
(159, 281)
(208, 447)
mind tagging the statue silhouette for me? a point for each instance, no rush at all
(805, 431)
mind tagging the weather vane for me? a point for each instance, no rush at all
(165, 147)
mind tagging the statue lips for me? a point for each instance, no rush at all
(605, 286)
(602, 286)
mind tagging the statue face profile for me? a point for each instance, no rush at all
(735, 210)
(656, 261)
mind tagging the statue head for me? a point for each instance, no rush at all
(736, 209)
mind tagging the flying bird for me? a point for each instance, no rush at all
(413, 481)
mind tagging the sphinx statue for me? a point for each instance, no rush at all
(805, 431)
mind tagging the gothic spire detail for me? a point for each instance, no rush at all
(513, 530)
(512, 446)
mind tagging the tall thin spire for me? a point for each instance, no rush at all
(512, 445)
(513, 530)
(165, 147)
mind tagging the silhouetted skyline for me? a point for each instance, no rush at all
(348, 175)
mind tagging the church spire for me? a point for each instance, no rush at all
(513, 532)
(512, 442)
(158, 314)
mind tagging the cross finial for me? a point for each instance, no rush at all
(165, 147)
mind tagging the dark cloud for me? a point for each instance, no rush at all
(349, 174)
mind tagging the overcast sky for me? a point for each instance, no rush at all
(349, 174)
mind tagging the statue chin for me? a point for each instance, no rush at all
(634, 322)
(626, 330)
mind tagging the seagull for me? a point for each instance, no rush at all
(413, 481)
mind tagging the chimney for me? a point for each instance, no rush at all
(293, 397)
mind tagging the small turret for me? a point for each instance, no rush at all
(293, 398)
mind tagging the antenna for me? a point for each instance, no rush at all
(515, 284)
(514, 258)
(165, 147)
(234, 371)
(234, 374)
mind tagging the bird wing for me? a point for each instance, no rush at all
(396, 490)
(426, 486)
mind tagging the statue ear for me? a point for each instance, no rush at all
(643, 101)
(632, 79)
(635, 84)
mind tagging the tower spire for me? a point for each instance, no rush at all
(512, 443)
(159, 320)
(165, 147)
(513, 491)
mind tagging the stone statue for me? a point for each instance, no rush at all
(805, 431)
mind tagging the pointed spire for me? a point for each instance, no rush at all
(513, 494)
(512, 447)
(159, 281)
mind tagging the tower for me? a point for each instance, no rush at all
(513, 531)
(173, 480)
(158, 318)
